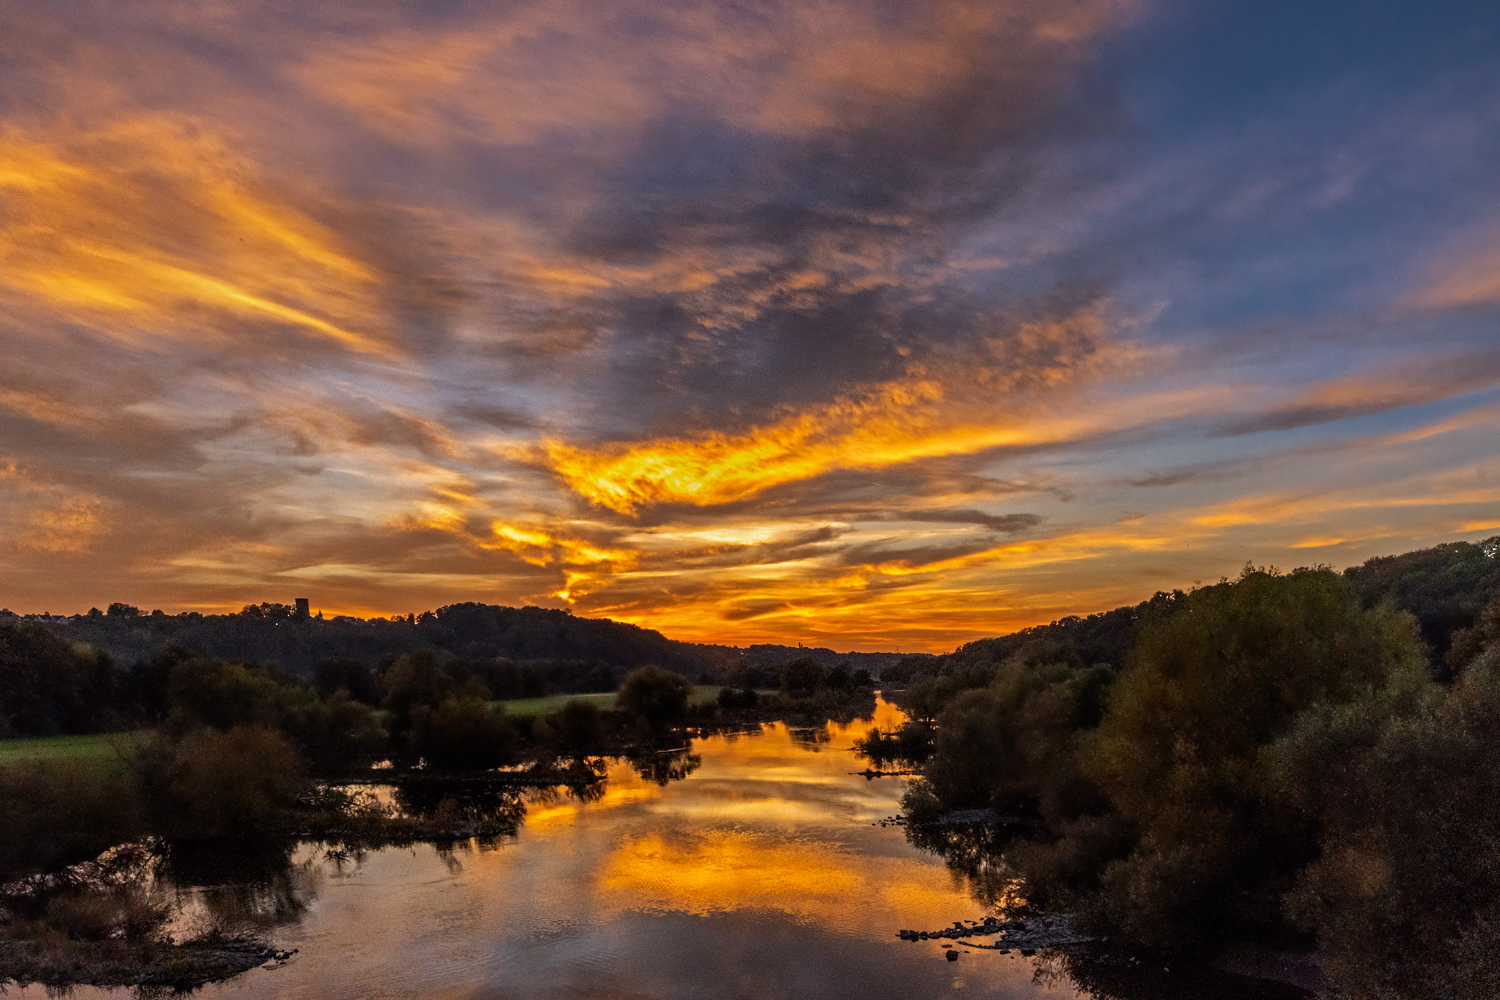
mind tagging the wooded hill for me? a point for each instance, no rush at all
(273, 633)
(1445, 588)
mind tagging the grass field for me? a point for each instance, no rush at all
(101, 750)
(702, 694)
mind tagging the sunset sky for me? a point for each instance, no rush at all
(873, 324)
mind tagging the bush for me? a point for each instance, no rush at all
(132, 911)
(463, 734)
(657, 697)
(58, 814)
(214, 785)
(579, 727)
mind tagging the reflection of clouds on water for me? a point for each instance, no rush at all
(759, 875)
(622, 788)
(723, 870)
(729, 869)
(772, 821)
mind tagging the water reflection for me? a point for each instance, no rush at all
(246, 902)
(974, 854)
(663, 766)
(750, 864)
(449, 804)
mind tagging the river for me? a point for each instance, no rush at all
(764, 873)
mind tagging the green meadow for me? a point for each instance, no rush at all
(702, 694)
(103, 750)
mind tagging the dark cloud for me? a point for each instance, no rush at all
(1413, 383)
(796, 545)
(1005, 523)
(908, 554)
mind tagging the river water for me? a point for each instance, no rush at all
(765, 873)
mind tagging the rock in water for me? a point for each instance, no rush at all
(952, 955)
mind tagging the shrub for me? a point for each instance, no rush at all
(132, 911)
(463, 734)
(656, 696)
(57, 814)
(579, 726)
(213, 785)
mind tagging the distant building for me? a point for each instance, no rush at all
(302, 610)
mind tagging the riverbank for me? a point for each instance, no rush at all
(56, 961)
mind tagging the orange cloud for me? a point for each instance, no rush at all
(897, 422)
(794, 69)
(45, 516)
(38, 407)
(153, 227)
(893, 423)
(1465, 281)
(584, 564)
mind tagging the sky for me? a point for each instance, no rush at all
(861, 323)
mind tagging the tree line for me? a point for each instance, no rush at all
(270, 632)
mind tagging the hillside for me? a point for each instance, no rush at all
(273, 633)
(1444, 587)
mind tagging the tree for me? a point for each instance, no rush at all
(463, 734)
(580, 726)
(802, 676)
(346, 674)
(213, 785)
(48, 686)
(1405, 895)
(1182, 750)
(415, 680)
(657, 696)
(1469, 642)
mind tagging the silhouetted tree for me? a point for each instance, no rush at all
(658, 697)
